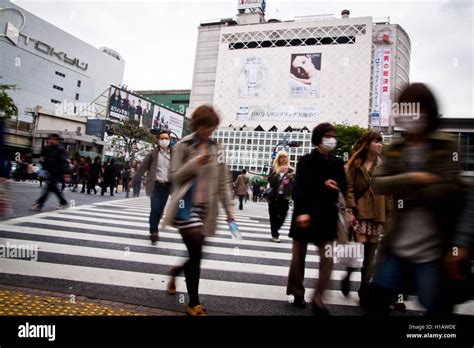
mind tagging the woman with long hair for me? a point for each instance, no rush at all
(281, 180)
(367, 211)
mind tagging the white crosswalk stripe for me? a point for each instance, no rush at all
(107, 244)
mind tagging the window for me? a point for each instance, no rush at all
(58, 88)
(78, 83)
(77, 96)
(54, 101)
(60, 74)
(75, 109)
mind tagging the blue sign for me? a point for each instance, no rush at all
(274, 154)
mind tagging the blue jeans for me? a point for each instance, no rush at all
(158, 203)
(398, 276)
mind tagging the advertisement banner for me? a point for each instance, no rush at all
(277, 113)
(253, 76)
(167, 119)
(381, 103)
(124, 106)
(305, 71)
(386, 106)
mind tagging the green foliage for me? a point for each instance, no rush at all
(347, 136)
(8, 109)
(128, 135)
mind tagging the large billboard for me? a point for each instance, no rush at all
(124, 105)
(290, 74)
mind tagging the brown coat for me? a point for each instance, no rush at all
(241, 185)
(184, 169)
(360, 196)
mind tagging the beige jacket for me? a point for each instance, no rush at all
(184, 170)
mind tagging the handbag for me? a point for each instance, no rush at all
(343, 228)
(349, 253)
(270, 193)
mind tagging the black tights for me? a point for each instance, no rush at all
(193, 239)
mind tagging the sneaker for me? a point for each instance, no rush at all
(196, 311)
(276, 240)
(62, 207)
(154, 238)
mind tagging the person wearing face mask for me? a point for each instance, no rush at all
(320, 178)
(421, 174)
(158, 164)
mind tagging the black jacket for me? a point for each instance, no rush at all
(311, 196)
(94, 172)
(109, 174)
(55, 160)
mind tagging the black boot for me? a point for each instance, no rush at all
(345, 283)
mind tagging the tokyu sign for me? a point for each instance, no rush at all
(14, 34)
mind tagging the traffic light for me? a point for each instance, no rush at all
(265, 170)
(294, 144)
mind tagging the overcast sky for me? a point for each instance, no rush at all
(157, 38)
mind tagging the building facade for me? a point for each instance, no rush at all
(50, 67)
(285, 77)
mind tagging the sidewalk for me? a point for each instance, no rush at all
(20, 301)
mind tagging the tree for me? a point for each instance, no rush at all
(130, 140)
(347, 136)
(8, 109)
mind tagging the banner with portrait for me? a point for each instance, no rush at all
(305, 70)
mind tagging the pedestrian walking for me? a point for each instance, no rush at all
(126, 179)
(241, 186)
(109, 178)
(200, 180)
(94, 175)
(420, 173)
(157, 165)
(84, 168)
(320, 178)
(281, 180)
(54, 161)
(367, 211)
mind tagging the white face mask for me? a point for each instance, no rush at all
(329, 144)
(164, 143)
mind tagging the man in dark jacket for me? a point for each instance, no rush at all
(54, 161)
(320, 178)
(94, 174)
(109, 178)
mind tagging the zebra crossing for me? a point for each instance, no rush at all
(103, 250)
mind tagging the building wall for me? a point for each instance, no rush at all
(35, 72)
(205, 65)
